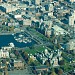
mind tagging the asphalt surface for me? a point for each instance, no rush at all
(20, 72)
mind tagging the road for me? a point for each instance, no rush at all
(20, 72)
(26, 71)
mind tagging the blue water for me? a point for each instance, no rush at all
(6, 39)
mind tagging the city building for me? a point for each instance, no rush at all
(55, 61)
(70, 45)
(4, 54)
(18, 64)
(51, 8)
(37, 2)
(7, 8)
(27, 22)
(71, 20)
(59, 31)
(48, 32)
(41, 68)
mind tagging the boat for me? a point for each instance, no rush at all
(20, 35)
(13, 34)
(24, 41)
(15, 37)
(29, 40)
(20, 41)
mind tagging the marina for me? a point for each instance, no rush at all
(19, 40)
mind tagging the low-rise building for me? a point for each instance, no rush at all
(55, 61)
(41, 68)
(27, 22)
(18, 64)
(71, 45)
(4, 54)
(59, 31)
(7, 7)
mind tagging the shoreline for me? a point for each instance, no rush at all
(9, 33)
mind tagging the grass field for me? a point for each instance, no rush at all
(35, 50)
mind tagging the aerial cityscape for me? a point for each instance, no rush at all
(37, 37)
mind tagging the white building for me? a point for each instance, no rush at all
(4, 54)
(46, 52)
(27, 22)
(71, 20)
(55, 61)
(59, 31)
(7, 48)
(71, 45)
(51, 7)
(49, 23)
(48, 32)
(17, 16)
(11, 45)
(48, 29)
(50, 14)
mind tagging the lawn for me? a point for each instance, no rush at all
(35, 49)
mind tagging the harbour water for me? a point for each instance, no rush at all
(6, 39)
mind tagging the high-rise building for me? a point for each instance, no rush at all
(47, 32)
(71, 20)
(51, 7)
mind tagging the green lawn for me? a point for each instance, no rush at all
(0, 73)
(35, 50)
(39, 34)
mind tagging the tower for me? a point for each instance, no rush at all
(71, 20)
(51, 7)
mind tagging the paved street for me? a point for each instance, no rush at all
(20, 72)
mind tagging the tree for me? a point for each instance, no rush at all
(59, 46)
(53, 72)
(30, 60)
(25, 55)
(54, 47)
(11, 28)
(42, 73)
(16, 52)
(60, 72)
(47, 63)
(61, 62)
(0, 73)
